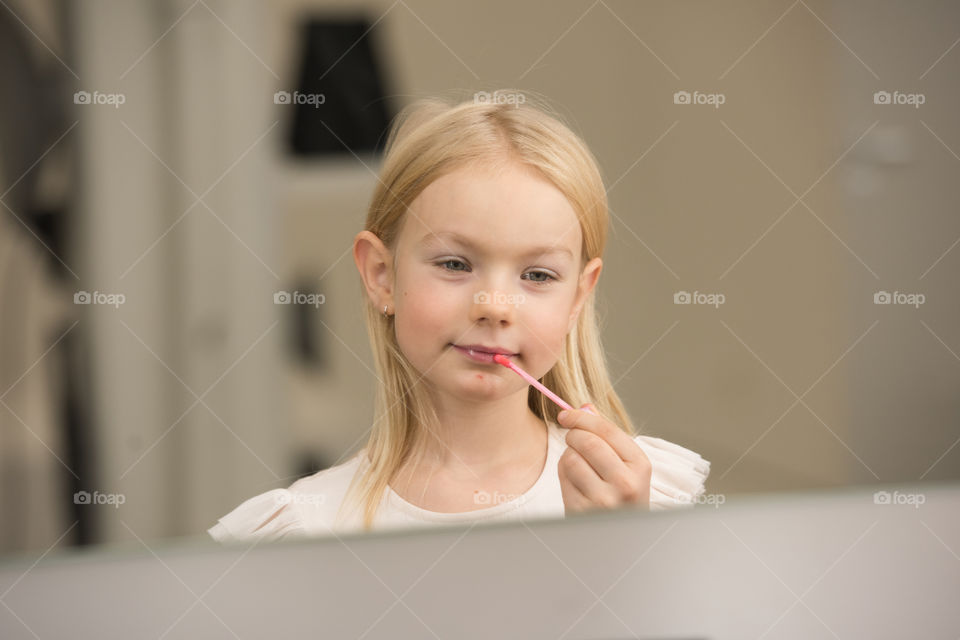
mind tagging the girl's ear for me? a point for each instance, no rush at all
(588, 280)
(375, 263)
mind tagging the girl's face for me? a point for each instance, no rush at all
(488, 257)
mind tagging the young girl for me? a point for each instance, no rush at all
(484, 236)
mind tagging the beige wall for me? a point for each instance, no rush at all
(702, 202)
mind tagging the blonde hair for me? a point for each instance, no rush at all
(428, 139)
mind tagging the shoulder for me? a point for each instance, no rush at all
(679, 474)
(306, 507)
(270, 515)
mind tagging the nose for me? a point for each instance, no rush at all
(494, 305)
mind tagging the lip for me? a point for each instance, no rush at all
(481, 353)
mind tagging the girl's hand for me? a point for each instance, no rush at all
(602, 467)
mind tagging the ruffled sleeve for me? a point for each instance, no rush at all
(269, 516)
(678, 475)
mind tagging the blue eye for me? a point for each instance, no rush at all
(541, 273)
(446, 262)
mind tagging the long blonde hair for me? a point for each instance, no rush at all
(428, 139)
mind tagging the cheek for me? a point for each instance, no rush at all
(550, 321)
(423, 314)
(553, 332)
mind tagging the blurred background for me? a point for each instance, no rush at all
(181, 181)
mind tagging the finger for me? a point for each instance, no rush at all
(598, 453)
(625, 447)
(573, 498)
(581, 475)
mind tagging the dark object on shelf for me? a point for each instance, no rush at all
(305, 331)
(339, 103)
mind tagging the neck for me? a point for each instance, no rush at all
(479, 437)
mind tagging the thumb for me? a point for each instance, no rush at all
(589, 407)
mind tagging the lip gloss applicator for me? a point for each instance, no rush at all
(505, 361)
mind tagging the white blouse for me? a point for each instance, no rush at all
(309, 506)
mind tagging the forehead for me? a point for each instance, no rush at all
(510, 207)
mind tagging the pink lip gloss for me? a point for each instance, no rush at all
(505, 361)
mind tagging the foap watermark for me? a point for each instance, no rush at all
(898, 297)
(86, 97)
(289, 497)
(285, 97)
(499, 97)
(896, 97)
(912, 499)
(299, 297)
(498, 297)
(708, 499)
(685, 297)
(112, 499)
(99, 297)
(713, 99)
(485, 497)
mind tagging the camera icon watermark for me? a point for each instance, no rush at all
(98, 297)
(113, 499)
(95, 97)
(913, 499)
(499, 97)
(712, 99)
(498, 297)
(285, 97)
(298, 297)
(910, 299)
(896, 97)
(712, 299)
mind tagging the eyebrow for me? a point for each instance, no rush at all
(434, 238)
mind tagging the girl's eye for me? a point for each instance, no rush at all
(446, 262)
(546, 276)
